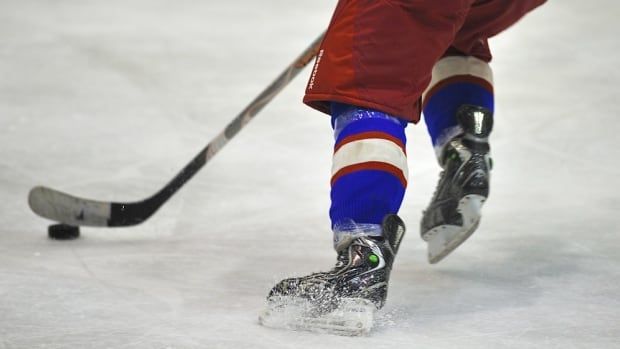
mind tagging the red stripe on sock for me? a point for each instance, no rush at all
(371, 165)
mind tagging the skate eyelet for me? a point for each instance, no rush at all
(373, 259)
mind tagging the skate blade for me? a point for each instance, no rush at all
(352, 318)
(444, 239)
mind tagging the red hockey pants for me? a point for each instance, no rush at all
(380, 54)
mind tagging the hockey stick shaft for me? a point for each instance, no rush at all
(65, 208)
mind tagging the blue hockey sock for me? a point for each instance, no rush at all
(456, 81)
(440, 109)
(369, 173)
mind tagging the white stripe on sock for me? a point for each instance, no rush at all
(367, 150)
(459, 65)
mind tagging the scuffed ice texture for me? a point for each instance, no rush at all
(354, 317)
(110, 99)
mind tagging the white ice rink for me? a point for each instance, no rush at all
(109, 99)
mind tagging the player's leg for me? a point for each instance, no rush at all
(458, 109)
(369, 171)
(364, 78)
(369, 177)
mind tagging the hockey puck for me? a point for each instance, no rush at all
(63, 232)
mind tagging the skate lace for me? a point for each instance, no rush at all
(341, 262)
(449, 155)
(436, 192)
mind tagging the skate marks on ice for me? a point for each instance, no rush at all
(526, 287)
(353, 317)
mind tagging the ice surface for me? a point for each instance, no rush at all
(109, 99)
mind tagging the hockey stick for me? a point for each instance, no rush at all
(68, 209)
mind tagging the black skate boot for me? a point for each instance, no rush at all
(454, 212)
(344, 299)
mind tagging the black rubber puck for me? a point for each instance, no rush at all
(63, 232)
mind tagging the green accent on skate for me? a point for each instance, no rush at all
(373, 259)
(491, 163)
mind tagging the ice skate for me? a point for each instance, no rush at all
(454, 212)
(343, 300)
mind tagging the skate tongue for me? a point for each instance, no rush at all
(353, 316)
(475, 120)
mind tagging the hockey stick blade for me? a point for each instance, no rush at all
(61, 207)
(68, 209)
